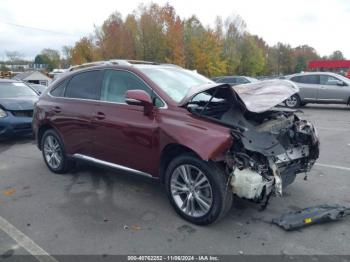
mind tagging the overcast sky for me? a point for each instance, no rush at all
(323, 24)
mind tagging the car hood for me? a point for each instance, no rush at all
(18, 103)
(257, 97)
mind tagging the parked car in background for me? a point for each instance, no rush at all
(39, 89)
(16, 108)
(203, 140)
(319, 87)
(235, 80)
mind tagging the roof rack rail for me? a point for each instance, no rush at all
(85, 65)
(133, 62)
(125, 62)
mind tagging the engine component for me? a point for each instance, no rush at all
(249, 184)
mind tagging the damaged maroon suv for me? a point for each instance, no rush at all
(204, 141)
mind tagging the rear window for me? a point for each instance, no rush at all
(85, 85)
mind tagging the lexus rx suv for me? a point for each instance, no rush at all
(204, 141)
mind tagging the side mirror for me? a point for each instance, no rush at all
(139, 98)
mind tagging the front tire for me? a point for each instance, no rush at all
(198, 190)
(293, 102)
(54, 152)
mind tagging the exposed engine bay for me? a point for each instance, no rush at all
(269, 148)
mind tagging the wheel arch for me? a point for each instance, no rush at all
(169, 152)
(41, 130)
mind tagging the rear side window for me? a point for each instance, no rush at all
(307, 79)
(58, 91)
(85, 85)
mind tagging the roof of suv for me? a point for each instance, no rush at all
(313, 73)
(116, 62)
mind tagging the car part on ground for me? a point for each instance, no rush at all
(205, 141)
(312, 215)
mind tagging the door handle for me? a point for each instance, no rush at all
(57, 109)
(100, 116)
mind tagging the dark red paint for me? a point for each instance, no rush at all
(124, 134)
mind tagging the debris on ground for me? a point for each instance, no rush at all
(9, 192)
(135, 228)
(311, 215)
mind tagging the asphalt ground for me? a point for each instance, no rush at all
(103, 212)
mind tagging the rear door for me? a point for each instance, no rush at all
(309, 86)
(333, 90)
(73, 109)
(123, 134)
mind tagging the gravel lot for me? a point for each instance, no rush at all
(96, 211)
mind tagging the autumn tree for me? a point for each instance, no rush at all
(84, 51)
(174, 41)
(113, 40)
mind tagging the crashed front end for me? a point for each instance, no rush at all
(266, 158)
(270, 145)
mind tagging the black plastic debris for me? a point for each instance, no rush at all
(311, 215)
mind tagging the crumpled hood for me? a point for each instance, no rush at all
(257, 97)
(262, 96)
(18, 103)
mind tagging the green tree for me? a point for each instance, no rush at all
(337, 55)
(303, 54)
(252, 57)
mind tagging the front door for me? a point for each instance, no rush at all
(333, 90)
(123, 134)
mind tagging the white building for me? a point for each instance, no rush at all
(34, 77)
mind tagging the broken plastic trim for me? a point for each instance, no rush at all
(311, 215)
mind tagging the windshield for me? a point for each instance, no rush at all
(174, 81)
(13, 90)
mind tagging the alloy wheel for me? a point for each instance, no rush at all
(52, 152)
(191, 190)
(292, 101)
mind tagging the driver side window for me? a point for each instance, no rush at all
(116, 83)
(330, 80)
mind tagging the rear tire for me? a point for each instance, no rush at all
(54, 152)
(205, 197)
(293, 102)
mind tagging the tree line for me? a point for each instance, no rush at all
(157, 33)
